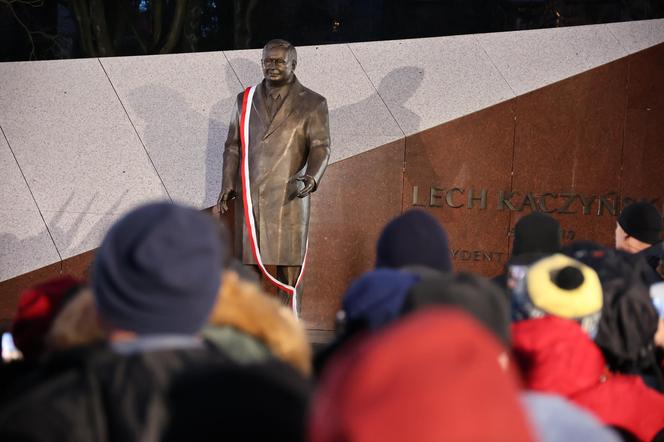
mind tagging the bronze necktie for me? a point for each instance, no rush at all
(273, 105)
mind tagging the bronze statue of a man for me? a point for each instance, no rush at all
(286, 154)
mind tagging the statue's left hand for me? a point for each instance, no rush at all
(309, 185)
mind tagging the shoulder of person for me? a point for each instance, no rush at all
(58, 367)
(53, 401)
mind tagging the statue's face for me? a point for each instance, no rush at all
(277, 68)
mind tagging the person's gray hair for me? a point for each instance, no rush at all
(279, 43)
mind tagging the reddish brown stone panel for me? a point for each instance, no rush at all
(356, 198)
(645, 88)
(79, 266)
(566, 150)
(568, 144)
(643, 153)
(459, 160)
(10, 290)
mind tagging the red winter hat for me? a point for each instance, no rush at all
(37, 308)
(432, 376)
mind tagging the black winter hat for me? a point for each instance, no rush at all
(158, 270)
(477, 296)
(414, 238)
(536, 233)
(641, 221)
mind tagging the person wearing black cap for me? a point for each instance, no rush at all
(414, 238)
(639, 231)
(536, 235)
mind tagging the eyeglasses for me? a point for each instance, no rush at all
(280, 62)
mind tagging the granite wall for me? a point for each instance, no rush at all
(478, 130)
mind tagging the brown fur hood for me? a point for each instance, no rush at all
(241, 305)
(246, 307)
(77, 324)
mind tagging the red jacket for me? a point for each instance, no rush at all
(556, 356)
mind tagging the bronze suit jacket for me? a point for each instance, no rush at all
(296, 142)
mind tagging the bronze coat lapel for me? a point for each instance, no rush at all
(287, 107)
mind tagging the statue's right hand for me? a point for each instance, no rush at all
(222, 201)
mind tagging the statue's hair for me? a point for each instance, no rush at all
(279, 43)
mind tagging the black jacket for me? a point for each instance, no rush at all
(94, 394)
(654, 256)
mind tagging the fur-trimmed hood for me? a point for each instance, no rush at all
(77, 324)
(241, 308)
(245, 307)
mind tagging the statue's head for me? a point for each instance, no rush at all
(278, 61)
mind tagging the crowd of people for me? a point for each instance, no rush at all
(171, 339)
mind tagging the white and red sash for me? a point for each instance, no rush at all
(249, 221)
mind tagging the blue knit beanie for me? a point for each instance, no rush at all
(414, 238)
(158, 270)
(377, 297)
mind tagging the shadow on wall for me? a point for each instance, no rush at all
(353, 121)
(395, 89)
(67, 235)
(13, 249)
(218, 121)
(173, 133)
(174, 136)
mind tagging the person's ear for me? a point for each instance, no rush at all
(294, 64)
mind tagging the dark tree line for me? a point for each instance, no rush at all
(46, 29)
(36, 29)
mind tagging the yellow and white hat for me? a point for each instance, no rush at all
(561, 286)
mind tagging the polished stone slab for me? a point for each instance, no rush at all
(74, 142)
(180, 105)
(568, 143)
(454, 171)
(348, 213)
(643, 145)
(25, 244)
(359, 120)
(428, 81)
(90, 155)
(529, 60)
(246, 65)
(638, 35)
(76, 233)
